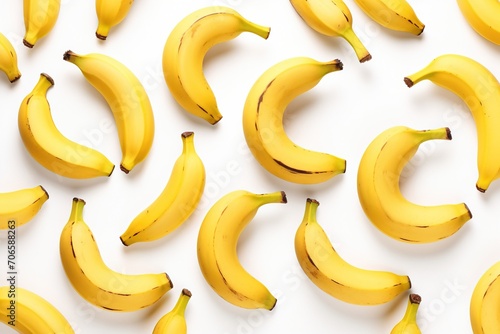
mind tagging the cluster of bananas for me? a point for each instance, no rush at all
(378, 172)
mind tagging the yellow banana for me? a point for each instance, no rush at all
(95, 281)
(263, 122)
(177, 201)
(408, 325)
(127, 99)
(109, 14)
(40, 16)
(480, 90)
(378, 189)
(332, 274)
(396, 15)
(21, 206)
(174, 321)
(482, 16)
(485, 302)
(217, 243)
(185, 50)
(27, 312)
(48, 146)
(8, 59)
(331, 18)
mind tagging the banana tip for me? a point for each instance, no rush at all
(312, 200)
(125, 170)
(123, 241)
(45, 191)
(76, 199)
(480, 189)
(187, 134)
(415, 299)
(408, 82)
(28, 44)
(283, 197)
(17, 77)
(365, 58)
(186, 292)
(48, 77)
(101, 37)
(68, 54)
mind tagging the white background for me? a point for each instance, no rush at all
(340, 116)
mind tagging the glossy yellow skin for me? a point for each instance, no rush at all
(263, 122)
(21, 206)
(40, 17)
(482, 15)
(94, 280)
(48, 146)
(8, 59)
(174, 322)
(109, 14)
(185, 50)
(332, 274)
(381, 199)
(217, 243)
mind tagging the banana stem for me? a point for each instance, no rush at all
(359, 48)
(187, 142)
(43, 84)
(257, 29)
(70, 56)
(182, 302)
(440, 133)
(274, 197)
(77, 209)
(412, 308)
(311, 208)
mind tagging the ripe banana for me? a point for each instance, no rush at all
(8, 59)
(185, 50)
(408, 325)
(40, 16)
(263, 122)
(217, 243)
(32, 313)
(482, 16)
(109, 14)
(21, 206)
(332, 274)
(48, 146)
(485, 302)
(127, 99)
(480, 91)
(378, 189)
(177, 201)
(174, 321)
(396, 15)
(95, 281)
(331, 18)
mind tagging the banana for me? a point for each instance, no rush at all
(127, 99)
(176, 203)
(185, 49)
(40, 16)
(408, 325)
(8, 59)
(482, 16)
(109, 14)
(217, 243)
(331, 18)
(485, 302)
(263, 122)
(95, 281)
(332, 274)
(21, 206)
(31, 312)
(379, 194)
(174, 321)
(396, 15)
(48, 146)
(480, 91)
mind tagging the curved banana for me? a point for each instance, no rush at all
(48, 146)
(21, 206)
(127, 99)
(378, 189)
(263, 122)
(8, 59)
(109, 14)
(174, 321)
(482, 16)
(177, 201)
(480, 91)
(408, 325)
(331, 18)
(485, 302)
(32, 313)
(396, 15)
(40, 16)
(217, 242)
(185, 50)
(332, 274)
(95, 281)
